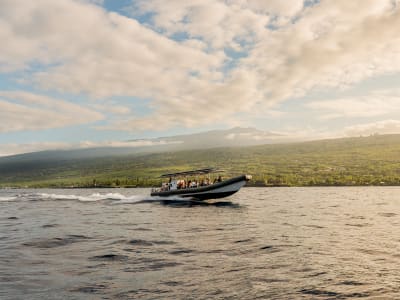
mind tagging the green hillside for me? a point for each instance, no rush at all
(373, 160)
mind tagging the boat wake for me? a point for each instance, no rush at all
(115, 199)
(185, 202)
(7, 199)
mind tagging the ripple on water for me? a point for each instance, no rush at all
(141, 293)
(150, 243)
(91, 289)
(350, 282)
(143, 243)
(172, 283)
(163, 252)
(269, 280)
(387, 214)
(314, 226)
(142, 229)
(50, 225)
(317, 274)
(334, 295)
(270, 249)
(139, 242)
(373, 252)
(319, 292)
(358, 224)
(243, 241)
(56, 241)
(146, 264)
(109, 257)
(182, 251)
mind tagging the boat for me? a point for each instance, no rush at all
(218, 189)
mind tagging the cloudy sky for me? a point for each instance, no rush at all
(80, 72)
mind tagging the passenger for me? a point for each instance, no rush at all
(202, 182)
(206, 182)
(219, 178)
(189, 185)
(165, 186)
(180, 184)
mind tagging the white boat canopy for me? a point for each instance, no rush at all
(192, 173)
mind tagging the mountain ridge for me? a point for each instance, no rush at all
(372, 160)
(237, 136)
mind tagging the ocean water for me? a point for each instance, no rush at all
(261, 243)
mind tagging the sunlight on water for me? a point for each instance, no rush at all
(277, 243)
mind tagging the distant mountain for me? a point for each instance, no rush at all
(235, 137)
(372, 160)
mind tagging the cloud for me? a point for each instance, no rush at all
(180, 63)
(112, 107)
(329, 46)
(105, 53)
(14, 148)
(26, 111)
(218, 23)
(380, 127)
(377, 103)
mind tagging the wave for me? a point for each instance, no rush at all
(6, 199)
(88, 198)
(114, 199)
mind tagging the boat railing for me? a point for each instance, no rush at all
(168, 188)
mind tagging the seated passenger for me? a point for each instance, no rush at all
(216, 180)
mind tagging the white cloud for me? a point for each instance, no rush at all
(219, 23)
(81, 48)
(14, 148)
(27, 111)
(17, 148)
(333, 44)
(112, 108)
(378, 103)
(379, 127)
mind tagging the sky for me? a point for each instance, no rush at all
(85, 73)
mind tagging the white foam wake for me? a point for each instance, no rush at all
(9, 198)
(112, 198)
(91, 198)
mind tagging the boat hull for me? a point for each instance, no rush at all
(213, 191)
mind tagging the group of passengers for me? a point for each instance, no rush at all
(183, 184)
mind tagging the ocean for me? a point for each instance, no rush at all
(261, 243)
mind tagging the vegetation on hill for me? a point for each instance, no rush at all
(373, 160)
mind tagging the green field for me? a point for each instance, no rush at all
(373, 160)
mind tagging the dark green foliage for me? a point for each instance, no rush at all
(373, 160)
